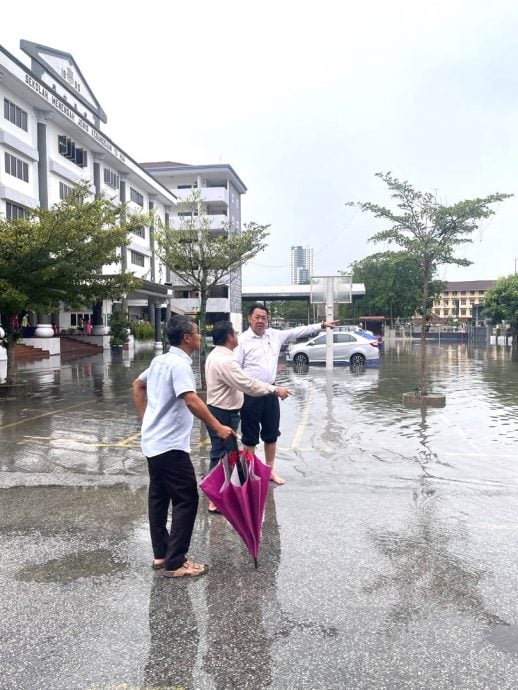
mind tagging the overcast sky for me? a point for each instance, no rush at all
(307, 101)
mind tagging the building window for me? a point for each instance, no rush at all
(140, 232)
(64, 190)
(111, 178)
(136, 197)
(137, 258)
(13, 211)
(17, 167)
(69, 149)
(15, 114)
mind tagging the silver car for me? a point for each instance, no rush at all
(347, 347)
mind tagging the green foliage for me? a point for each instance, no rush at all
(142, 331)
(501, 302)
(292, 310)
(392, 285)
(119, 326)
(203, 257)
(55, 255)
(429, 233)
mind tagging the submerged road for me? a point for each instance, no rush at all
(387, 560)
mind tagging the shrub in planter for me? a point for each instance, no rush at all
(119, 328)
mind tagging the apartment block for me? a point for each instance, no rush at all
(462, 300)
(219, 189)
(301, 264)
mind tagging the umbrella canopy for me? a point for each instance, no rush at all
(238, 487)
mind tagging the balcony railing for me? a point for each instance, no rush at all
(207, 194)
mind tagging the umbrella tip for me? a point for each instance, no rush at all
(255, 563)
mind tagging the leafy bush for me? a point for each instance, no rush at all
(142, 331)
(119, 328)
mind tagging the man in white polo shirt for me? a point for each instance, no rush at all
(165, 397)
(258, 354)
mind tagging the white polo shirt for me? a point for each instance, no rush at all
(167, 423)
(258, 356)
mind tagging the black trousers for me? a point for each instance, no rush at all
(172, 480)
(218, 447)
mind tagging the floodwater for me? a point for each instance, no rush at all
(387, 560)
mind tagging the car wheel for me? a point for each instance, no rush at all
(357, 359)
(301, 358)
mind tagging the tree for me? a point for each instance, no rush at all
(501, 304)
(202, 256)
(392, 285)
(56, 255)
(429, 233)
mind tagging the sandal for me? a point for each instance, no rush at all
(188, 569)
(157, 566)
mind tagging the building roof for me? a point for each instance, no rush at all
(164, 166)
(469, 285)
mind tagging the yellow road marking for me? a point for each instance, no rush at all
(303, 421)
(45, 414)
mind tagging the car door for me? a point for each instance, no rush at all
(317, 351)
(343, 346)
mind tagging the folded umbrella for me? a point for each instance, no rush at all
(238, 487)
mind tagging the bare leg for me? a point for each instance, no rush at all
(269, 453)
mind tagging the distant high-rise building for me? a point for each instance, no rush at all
(301, 264)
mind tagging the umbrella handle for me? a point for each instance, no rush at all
(235, 446)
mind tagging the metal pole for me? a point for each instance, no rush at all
(329, 317)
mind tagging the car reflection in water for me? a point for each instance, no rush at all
(348, 348)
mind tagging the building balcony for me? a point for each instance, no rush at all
(191, 305)
(208, 194)
(217, 221)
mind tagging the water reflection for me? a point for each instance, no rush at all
(427, 571)
(238, 601)
(174, 636)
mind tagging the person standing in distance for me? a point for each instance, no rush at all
(257, 354)
(166, 400)
(226, 383)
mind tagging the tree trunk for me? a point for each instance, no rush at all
(202, 323)
(11, 357)
(424, 326)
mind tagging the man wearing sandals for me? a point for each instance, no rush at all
(166, 400)
(257, 354)
(226, 383)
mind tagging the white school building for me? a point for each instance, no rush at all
(51, 137)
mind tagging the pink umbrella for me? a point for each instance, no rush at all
(238, 487)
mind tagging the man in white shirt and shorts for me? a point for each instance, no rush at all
(226, 383)
(257, 354)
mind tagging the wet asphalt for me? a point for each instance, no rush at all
(388, 559)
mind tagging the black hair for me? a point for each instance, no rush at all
(220, 332)
(177, 327)
(258, 306)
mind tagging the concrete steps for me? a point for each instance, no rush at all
(28, 353)
(71, 348)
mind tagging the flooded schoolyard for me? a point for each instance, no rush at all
(388, 559)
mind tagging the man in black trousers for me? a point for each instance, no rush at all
(165, 398)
